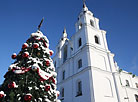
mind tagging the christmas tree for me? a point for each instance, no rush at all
(32, 77)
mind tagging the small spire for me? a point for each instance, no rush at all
(84, 5)
(40, 24)
(64, 31)
(64, 34)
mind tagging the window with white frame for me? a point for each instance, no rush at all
(62, 94)
(92, 23)
(65, 54)
(79, 63)
(127, 83)
(79, 88)
(79, 42)
(58, 49)
(96, 39)
(55, 64)
(136, 96)
(63, 75)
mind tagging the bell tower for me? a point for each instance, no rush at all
(86, 17)
(84, 63)
(93, 34)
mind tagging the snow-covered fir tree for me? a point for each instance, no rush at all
(32, 77)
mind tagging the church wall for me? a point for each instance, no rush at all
(104, 87)
(86, 95)
(99, 59)
(126, 93)
(70, 87)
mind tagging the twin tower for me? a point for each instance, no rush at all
(86, 68)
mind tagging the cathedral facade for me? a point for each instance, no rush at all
(86, 70)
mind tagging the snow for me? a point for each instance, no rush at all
(47, 100)
(12, 66)
(37, 34)
(19, 98)
(19, 70)
(58, 100)
(44, 75)
(40, 99)
(25, 44)
(42, 86)
(35, 66)
(30, 88)
(26, 53)
(46, 50)
(36, 44)
(16, 86)
(36, 61)
(40, 35)
(36, 88)
(58, 92)
(1, 92)
(18, 94)
(29, 94)
(14, 54)
(54, 74)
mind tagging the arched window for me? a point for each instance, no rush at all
(58, 49)
(127, 83)
(79, 63)
(80, 25)
(91, 23)
(63, 75)
(65, 54)
(55, 64)
(79, 88)
(107, 87)
(136, 96)
(62, 93)
(79, 42)
(136, 85)
(96, 39)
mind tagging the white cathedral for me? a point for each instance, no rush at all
(86, 70)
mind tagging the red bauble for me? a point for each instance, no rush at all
(35, 45)
(25, 45)
(14, 56)
(47, 88)
(52, 79)
(25, 54)
(47, 63)
(1, 96)
(50, 53)
(28, 97)
(11, 85)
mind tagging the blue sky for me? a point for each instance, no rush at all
(19, 18)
